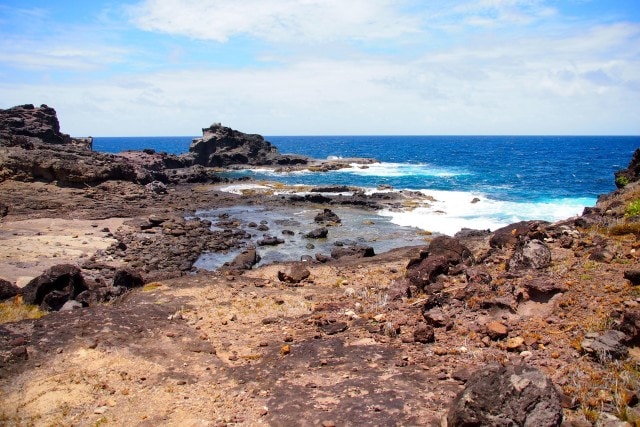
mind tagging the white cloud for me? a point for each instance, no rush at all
(275, 20)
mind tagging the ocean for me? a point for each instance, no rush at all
(514, 177)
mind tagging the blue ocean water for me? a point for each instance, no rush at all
(515, 177)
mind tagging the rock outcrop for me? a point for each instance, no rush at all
(222, 146)
(26, 123)
(631, 173)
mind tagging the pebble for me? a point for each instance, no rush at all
(100, 410)
(328, 424)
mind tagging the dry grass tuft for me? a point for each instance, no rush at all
(14, 311)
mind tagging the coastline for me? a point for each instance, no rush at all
(343, 339)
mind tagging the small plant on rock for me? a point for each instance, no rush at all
(633, 209)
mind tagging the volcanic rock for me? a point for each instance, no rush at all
(245, 260)
(424, 333)
(631, 173)
(327, 216)
(318, 233)
(633, 276)
(509, 235)
(604, 347)
(531, 254)
(295, 274)
(128, 278)
(513, 395)
(8, 290)
(26, 122)
(63, 282)
(359, 251)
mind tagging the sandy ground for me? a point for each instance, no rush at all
(29, 247)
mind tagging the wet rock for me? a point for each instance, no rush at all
(245, 260)
(607, 346)
(65, 280)
(8, 290)
(318, 233)
(424, 333)
(295, 274)
(358, 251)
(327, 216)
(127, 278)
(532, 254)
(513, 395)
(268, 240)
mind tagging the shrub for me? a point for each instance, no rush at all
(622, 181)
(633, 209)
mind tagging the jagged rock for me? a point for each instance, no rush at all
(318, 233)
(8, 290)
(513, 395)
(399, 289)
(127, 278)
(452, 249)
(509, 235)
(359, 251)
(496, 330)
(295, 274)
(437, 318)
(156, 187)
(606, 346)
(98, 295)
(631, 173)
(541, 287)
(327, 216)
(223, 146)
(24, 122)
(531, 254)
(630, 324)
(63, 282)
(424, 333)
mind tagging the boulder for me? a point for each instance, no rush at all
(127, 278)
(510, 235)
(427, 271)
(295, 274)
(318, 233)
(359, 251)
(633, 276)
(607, 346)
(8, 290)
(327, 216)
(424, 333)
(245, 260)
(452, 249)
(532, 254)
(630, 324)
(513, 395)
(63, 281)
(268, 240)
(399, 289)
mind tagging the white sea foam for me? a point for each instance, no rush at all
(453, 211)
(400, 169)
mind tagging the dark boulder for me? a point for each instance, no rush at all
(358, 251)
(268, 240)
(327, 216)
(318, 233)
(8, 290)
(245, 260)
(510, 235)
(295, 274)
(424, 333)
(513, 395)
(630, 325)
(532, 254)
(398, 290)
(633, 276)
(127, 278)
(443, 256)
(65, 280)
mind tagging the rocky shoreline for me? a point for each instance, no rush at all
(345, 338)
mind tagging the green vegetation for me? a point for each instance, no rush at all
(622, 181)
(633, 209)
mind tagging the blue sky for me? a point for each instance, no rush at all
(294, 67)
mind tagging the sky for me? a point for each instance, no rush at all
(326, 67)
